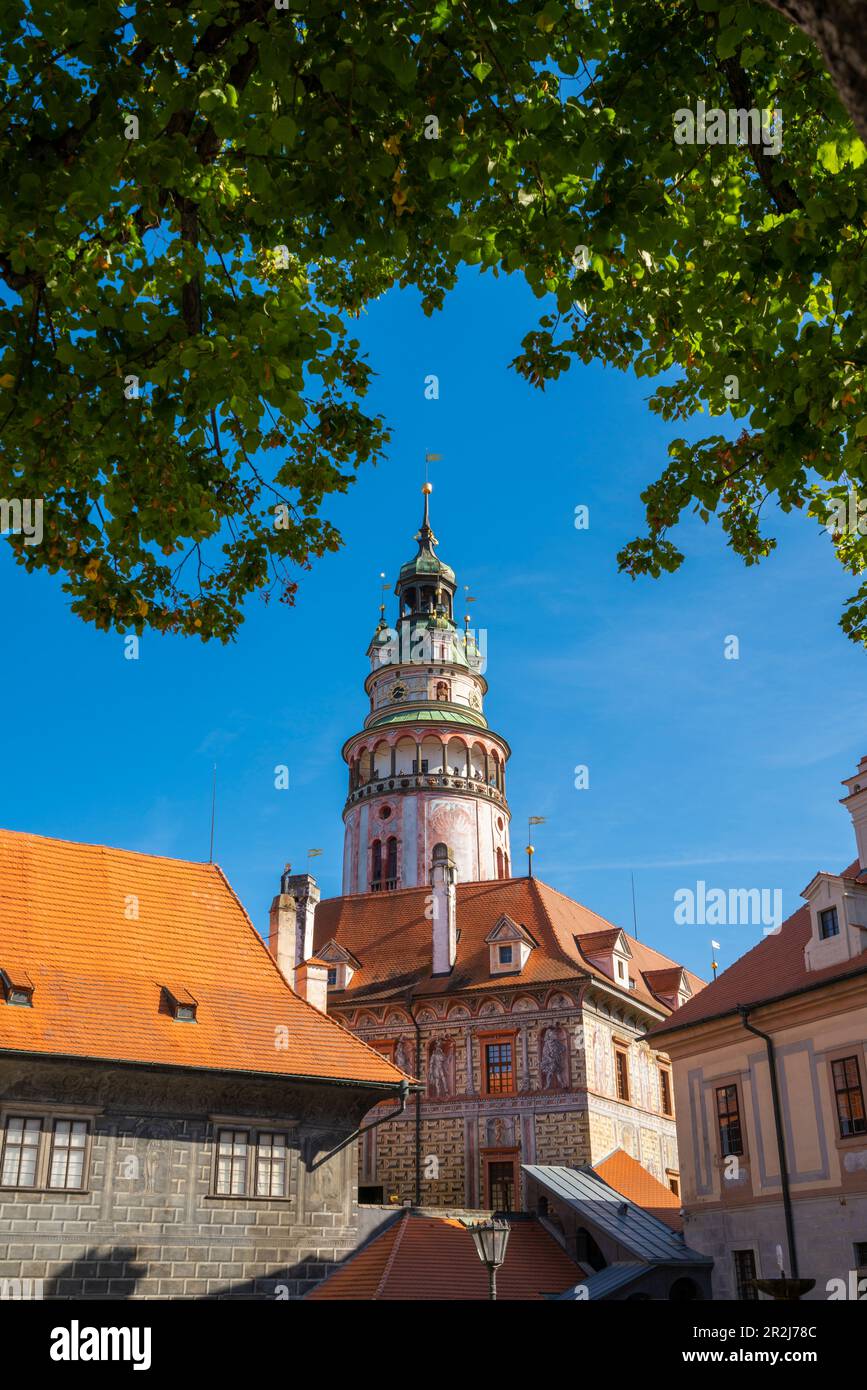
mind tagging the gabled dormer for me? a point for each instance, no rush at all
(609, 952)
(838, 919)
(342, 964)
(670, 985)
(510, 945)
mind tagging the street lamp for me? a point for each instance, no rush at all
(491, 1239)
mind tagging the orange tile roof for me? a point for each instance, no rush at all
(99, 972)
(773, 969)
(390, 935)
(627, 1176)
(423, 1256)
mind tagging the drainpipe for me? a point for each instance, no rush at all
(402, 1093)
(418, 1096)
(781, 1142)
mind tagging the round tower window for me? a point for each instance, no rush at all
(384, 812)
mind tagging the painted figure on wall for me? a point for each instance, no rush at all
(403, 1056)
(439, 1069)
(554, 1058)
(600, 1062)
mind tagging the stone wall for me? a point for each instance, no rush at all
(148, 1225)
(825, 1234)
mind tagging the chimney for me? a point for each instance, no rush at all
(311, 982)
(443, 876)
(290, 936)
(856, 805)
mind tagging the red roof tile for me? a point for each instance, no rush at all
(390, 935)
(773, 969)
(101, 932)
(423, 1257)
(627, 1176)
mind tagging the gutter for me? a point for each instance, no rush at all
(781, 1142)
(403, 1092)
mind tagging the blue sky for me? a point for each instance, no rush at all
(700, 768)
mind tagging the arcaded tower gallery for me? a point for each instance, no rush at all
(425, 769)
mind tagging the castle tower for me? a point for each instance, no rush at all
(425, 768)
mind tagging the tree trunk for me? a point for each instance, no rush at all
(838, 28)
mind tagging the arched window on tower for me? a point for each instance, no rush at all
(442, 690)
(376, 866)
(391, 862)
(500, 863)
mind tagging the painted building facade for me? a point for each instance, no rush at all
(520, 1011)
(529, 1044)
(792, 1011)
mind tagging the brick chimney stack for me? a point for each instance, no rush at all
(856, 804)
(443, 877)
(290, 936)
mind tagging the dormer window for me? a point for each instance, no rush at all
(180, 1003)
(16, 987)
(510, 945)
(341, 964)
(838, 919)
(609, 951)
(829, 923)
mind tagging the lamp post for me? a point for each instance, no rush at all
(490, 1239)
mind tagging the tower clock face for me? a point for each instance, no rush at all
(398, 692)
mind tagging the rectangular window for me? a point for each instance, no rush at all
(271, 1166)
(44, 1153)
(20, 1152)
(232, 1162)
(828, 923)
(849, 1097)
(68, 1147)
(621, 1072)
(745, 1272)
(665, 1091)
(505, 955)
(499, 1069)
(674, 1184)
(332, 978)
(251, 1163)
(729, 1120)
(861, 1255)
(501, 1186)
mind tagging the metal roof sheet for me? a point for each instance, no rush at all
(627, 1223)
(604, 1283)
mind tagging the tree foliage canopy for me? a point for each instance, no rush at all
(198, 201)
